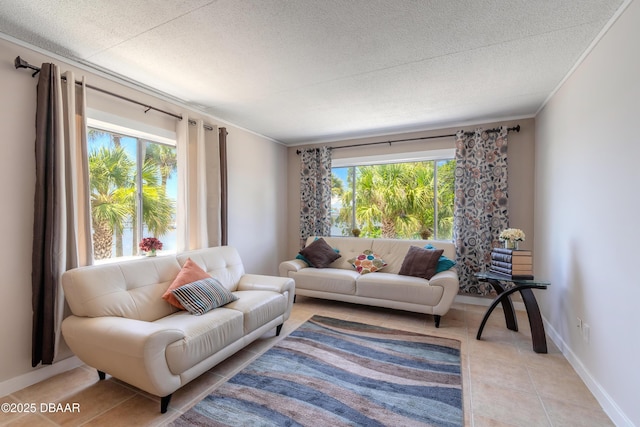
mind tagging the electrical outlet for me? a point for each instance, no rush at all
(585, 332)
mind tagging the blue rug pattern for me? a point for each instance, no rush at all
(332, 372)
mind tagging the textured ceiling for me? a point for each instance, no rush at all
(316, 70)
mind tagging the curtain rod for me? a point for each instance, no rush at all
(21, 63)
(514, 128)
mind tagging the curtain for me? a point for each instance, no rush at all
(199, 200)
(62, 222)
(315, 193)
(481, 203)
(224, 198)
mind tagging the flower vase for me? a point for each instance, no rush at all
(152, 252)
(511, 244)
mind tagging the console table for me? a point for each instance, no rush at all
(504, 296)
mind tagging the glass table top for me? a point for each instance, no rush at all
(487, 275)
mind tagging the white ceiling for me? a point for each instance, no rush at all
(318, 70)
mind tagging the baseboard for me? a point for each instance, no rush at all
(25, 380)
(604, 399)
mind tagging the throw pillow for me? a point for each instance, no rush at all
(367, 262)
(203, 295)
(300, 257)
(444, 263)
(420, 262)
(189, 273)
(319, 253)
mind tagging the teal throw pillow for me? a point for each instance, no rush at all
(444, 263)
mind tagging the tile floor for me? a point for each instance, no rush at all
(504, 382)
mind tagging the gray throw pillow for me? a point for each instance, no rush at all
(420, 262)
(203, 295)
(319, 253)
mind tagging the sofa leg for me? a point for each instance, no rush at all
(101, 375)
(164, 403)
(294, 298)
(278, 329)
(437, 318)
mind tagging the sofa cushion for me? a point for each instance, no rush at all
(189, 273)
(319, 253)
(393, 287)
(204, 336)
(420, 262)
(203, 295)
(368, 262)
(327, 279)
(131, 289)
(258, 307)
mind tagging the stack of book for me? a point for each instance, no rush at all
(512, 263)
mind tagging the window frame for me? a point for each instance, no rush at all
(434, 156)
(142, 133)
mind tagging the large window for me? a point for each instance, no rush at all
(407, 200)
(133, 188)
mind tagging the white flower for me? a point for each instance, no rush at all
(512, 235)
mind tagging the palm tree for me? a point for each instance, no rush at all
(158, 210)
(95, 134)
(165, 157)
(384, 200)
(111, 171)
(113, 198)
(397, 200)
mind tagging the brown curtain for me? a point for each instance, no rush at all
(224, 226)
(61, 228)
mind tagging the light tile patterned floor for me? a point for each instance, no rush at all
(505, 383)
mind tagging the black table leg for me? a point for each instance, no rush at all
(538, 337)
(535, 321)
(509, 312)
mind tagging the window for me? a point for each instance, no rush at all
(395, 199)
(133, 189)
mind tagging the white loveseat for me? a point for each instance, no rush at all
(122, 326)
(385, 288)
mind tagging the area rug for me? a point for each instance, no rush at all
(332, 372)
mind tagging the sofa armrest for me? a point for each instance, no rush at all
(291, 266)
(131, 350)
(260, 282)
(448, 280)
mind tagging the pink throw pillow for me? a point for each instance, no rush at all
(190, 273)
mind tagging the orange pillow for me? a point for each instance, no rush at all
(190, 273)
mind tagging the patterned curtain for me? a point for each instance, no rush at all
(315, 193)
(481, 208)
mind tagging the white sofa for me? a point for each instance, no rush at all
(385, 288)
(122, 326)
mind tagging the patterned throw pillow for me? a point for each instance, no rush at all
(203, 295)
(367, 262)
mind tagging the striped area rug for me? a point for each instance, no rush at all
(332, 372)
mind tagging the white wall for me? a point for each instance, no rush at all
(257, 200)
(587, 205)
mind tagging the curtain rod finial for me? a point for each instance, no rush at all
(19, 63)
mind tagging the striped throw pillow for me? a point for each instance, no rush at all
(203, 295)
